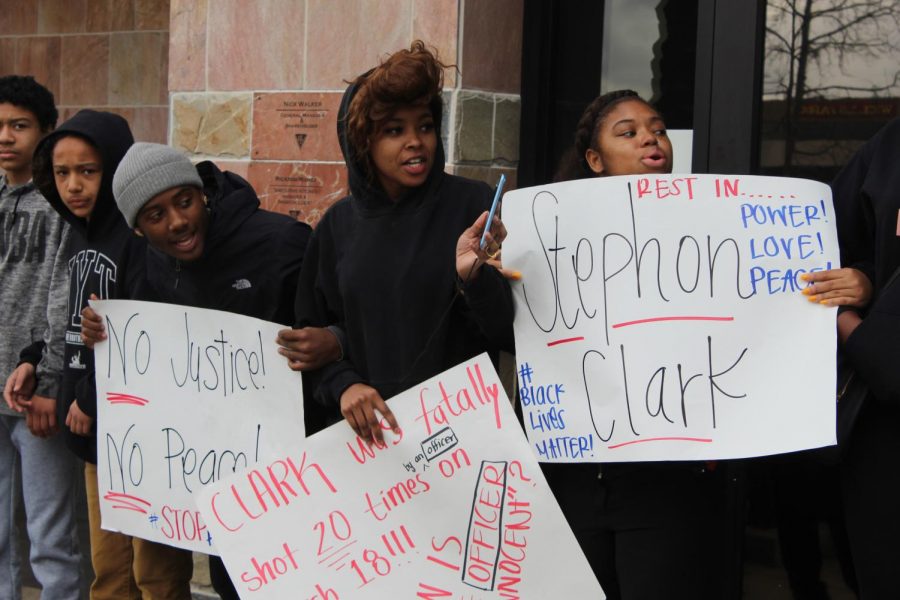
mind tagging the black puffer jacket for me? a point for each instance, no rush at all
(251, 257)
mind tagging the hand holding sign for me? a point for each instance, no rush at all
(660, 317)
(185, 396)
(838, 287)
(361, 405)
(452, 504)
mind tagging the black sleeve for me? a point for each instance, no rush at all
(489, 295)
(86, 395)
(32, 353)
(489, 298)
(290, 259)
(873, 347)
(311, 309)
(855, 215)
(137, 286)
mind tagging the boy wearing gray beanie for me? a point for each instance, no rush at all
(147, 170)
(160, 193)
(212, 246)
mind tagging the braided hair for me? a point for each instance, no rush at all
(573, 164)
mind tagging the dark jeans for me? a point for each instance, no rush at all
(649, 531)
(871, 486)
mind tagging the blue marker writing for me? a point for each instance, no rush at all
(490, 219)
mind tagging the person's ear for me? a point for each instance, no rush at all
(595, 163)
(137, 232)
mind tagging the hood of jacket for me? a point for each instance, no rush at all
(231, 201)
(367, 194)
(110, 135)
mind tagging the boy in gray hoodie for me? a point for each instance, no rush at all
(31, 235)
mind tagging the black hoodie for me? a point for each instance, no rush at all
(107, 259)
(867, 203)
(386, 273)
(251, 257)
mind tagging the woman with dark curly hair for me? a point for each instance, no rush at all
(397, 264)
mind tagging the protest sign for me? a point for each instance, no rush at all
(185, 396)
(454, 505)
(661, 317)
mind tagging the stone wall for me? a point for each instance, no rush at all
(106, 54)
(256, 85)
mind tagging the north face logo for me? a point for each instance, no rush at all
(241, 284)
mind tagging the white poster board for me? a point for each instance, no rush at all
(185, 396)
(661, 317)
(454, 506)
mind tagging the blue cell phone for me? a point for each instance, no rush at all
(497, 194)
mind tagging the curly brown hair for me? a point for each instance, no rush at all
(407, 77)
(573, 164)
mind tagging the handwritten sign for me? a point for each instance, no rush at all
(661, 317)
(185, 396)
(453, 506)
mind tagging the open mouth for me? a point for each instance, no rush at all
(416, 165)
(185, 244)
(655, 160)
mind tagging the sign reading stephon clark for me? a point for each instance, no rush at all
(662, 317)
(454, 505)
(185, 396)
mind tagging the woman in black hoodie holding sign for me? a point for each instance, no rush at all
(73, 168)
(397, 263)
(867, 205)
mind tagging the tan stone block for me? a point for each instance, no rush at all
(474, 127)
(201, 569)
(40, 58)
(138, 69)
(188, 113)
(489, 175)
(436, 22)
(84, 70)
(348, 37)
(255, 49)
(19, 18)
(187, 45)
(212, 124)
(151, 14)
(492, 55)
(61, 16)
(507, 122)
(301, 190)
(296, 126)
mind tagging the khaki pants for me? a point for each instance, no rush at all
(130, 568)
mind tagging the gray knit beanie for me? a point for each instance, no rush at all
(147, 170)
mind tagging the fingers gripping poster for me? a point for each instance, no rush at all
(454, 506)
(185, 396)
(662, 317)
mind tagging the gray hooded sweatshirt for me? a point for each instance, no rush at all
(33, 282)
